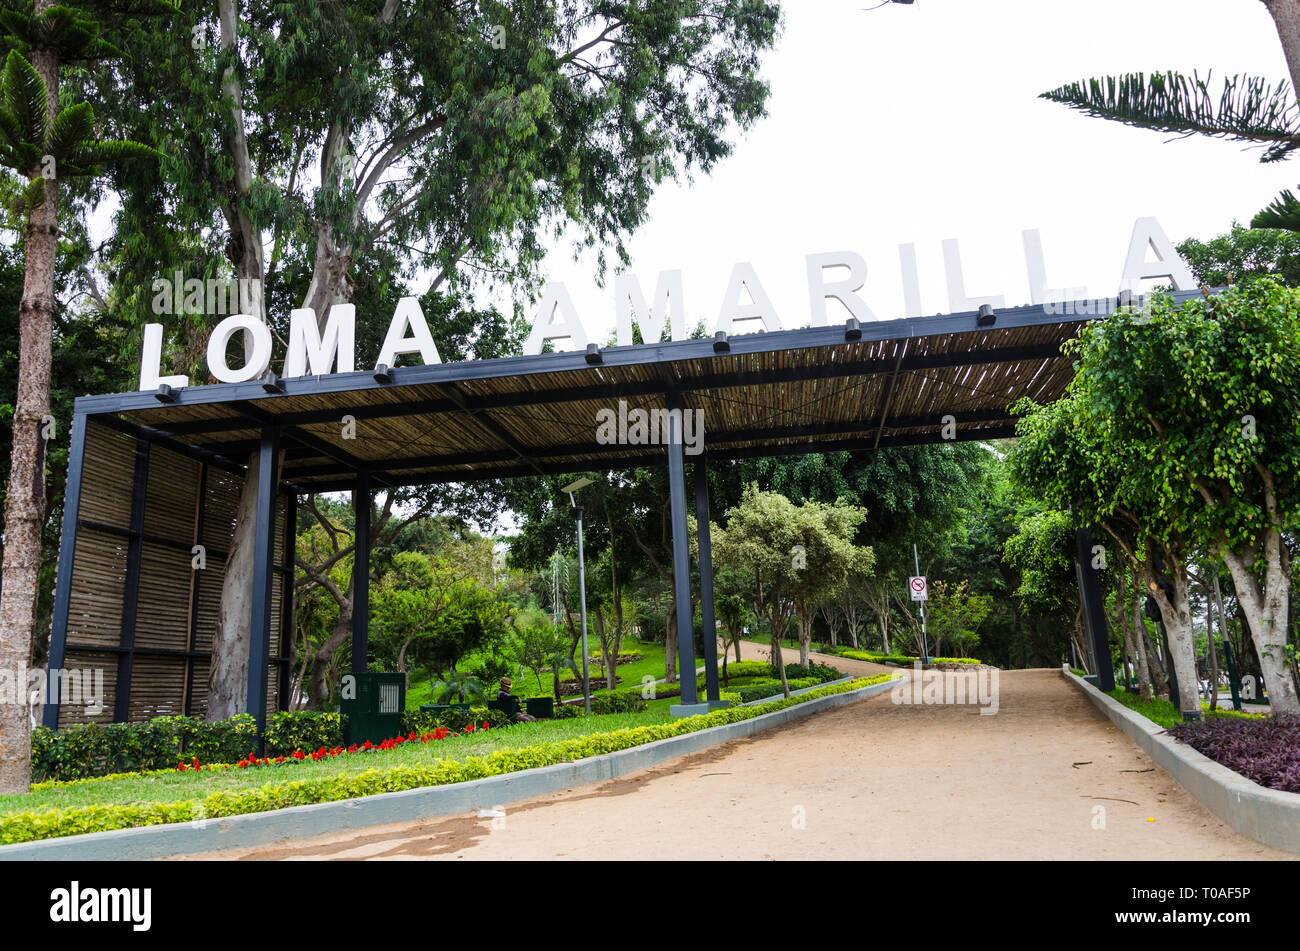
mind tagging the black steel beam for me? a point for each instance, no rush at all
(681, 555)
(706, 580)
(1094, 609)
(361, 574)
(490, 426)
(290, 553)
(259, 646)
(196, 580)
(131, 583)
(67, 550)
(651, 457)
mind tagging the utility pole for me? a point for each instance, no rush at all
(925, 642)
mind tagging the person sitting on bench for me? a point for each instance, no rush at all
(504, 694)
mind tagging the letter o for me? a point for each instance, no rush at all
(256, 365)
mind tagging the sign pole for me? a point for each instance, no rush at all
(925, 643)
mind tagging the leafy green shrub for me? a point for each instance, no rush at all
(747, 668)
(305, 730)
(454, 720)
(569, 711)
(822, 673)
(618, 702)
(772, 688)
(99, 749)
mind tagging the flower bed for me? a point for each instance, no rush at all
(1265, 750)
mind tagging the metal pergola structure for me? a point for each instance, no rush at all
(850, 387)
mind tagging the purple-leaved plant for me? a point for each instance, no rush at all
(1266, 751)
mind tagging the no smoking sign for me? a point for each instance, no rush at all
(918, 588)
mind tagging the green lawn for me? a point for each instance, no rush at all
(1160, 710)
(173, 787)
(527, 685)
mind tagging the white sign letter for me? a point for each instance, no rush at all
(630, 307)
(308, 346)
(259, 353)
(1039, 292)
(555, 297)
(151, 361)
(1147, 233)
(844, 291)
(957, 299)
(408, 313)
(743, 275)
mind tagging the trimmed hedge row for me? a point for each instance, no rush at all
(52, 823)
(759, 691)
(103, 749)
(876, 657)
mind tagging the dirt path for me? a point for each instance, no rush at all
(872, 779)
(759, 650)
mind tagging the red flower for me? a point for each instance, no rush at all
(486, 725)
(196, 762)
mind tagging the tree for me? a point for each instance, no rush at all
(784, 556)
(954, 614)
(1042, 551)
(731, 612)
(411, 599)
(1244, 254)
(539, 645)
(1228, 464)
(44, 137)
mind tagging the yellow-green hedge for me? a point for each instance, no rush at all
(73, 820)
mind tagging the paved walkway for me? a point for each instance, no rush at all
(872, 779)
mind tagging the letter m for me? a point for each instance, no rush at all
(630, 306)
(309, 346)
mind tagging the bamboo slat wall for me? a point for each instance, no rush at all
(167, 646)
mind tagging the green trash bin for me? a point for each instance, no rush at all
(540, 708)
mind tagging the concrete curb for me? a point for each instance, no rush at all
(1269, 816)
(296, 822)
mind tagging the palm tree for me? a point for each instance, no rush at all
(44, 138)
(1246, 108)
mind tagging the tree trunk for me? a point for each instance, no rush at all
(804, 627)
(1286, 16)
(1176, 614)
(320, 685)
(670, 648)
(1265, 610)
(24, 514)
(1223, 623)
(778, 657)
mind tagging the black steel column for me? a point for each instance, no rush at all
(63, 577)
(286, 596)
(131, 584)
(361, 573)
(681, 552)
(259, 646)
(706, 581)
(196, 582)
(1094, 610)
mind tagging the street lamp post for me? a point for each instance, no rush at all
(570, 489)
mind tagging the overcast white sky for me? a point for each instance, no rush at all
(919, 123)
